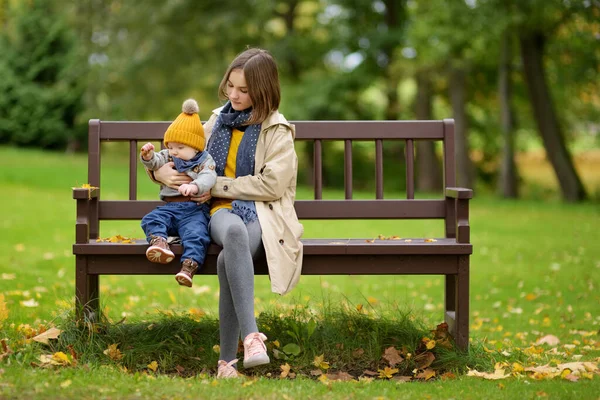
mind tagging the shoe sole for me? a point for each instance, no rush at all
(158, 255)
(259, 359)
(183, 280)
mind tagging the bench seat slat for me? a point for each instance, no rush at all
(311, 247)
(313, 264)
(306, 209)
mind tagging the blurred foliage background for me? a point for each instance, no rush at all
(517, 76)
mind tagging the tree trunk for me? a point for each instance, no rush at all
(429, 172)
(532, 51)
(508, 181)
(458, 95)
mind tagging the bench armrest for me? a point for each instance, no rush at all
(86, 193)
(86, 224)
(457, 213)
(459, 193)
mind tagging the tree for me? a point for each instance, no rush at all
(40, 78)
(540, 23)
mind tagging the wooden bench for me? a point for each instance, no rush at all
(448, 255)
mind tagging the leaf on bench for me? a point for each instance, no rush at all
(430, 240)
(116, 239)
(88, 187)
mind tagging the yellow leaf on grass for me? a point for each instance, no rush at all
(276, 343)
(153, 366)
(60, 358)
(320, 363)
(52, 333)
(3, 309)
(217, 348)
(429, 344)
(113, 353)
(387, 372)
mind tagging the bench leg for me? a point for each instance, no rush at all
(87, 291)
(457, 303)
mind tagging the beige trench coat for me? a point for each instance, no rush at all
(273, 189)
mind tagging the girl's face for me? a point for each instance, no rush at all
(181, 151)
(237, 90)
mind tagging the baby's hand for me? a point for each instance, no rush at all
(147, 151)
(188, 189)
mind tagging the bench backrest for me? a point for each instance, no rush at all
(317, 132)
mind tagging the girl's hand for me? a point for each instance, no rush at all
(202, 198)
(147, 151)
(188, 189)
(168, 175)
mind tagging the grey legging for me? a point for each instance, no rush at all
(241, 244)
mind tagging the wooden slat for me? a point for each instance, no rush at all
(133, 163)
(312, 265)
(305, 130)
(379, 169)
(410, 169)
(318, 155)
(306, 209)
(312, 247)
(348, 169)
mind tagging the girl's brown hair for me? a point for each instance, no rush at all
(262, 78)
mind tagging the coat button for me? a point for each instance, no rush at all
(225, 187)
(281, 242)
(270, 206)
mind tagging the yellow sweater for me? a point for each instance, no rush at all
(236, 138)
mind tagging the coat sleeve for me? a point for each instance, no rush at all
(274, 177)
(207, 177)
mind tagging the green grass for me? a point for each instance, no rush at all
(535, 271)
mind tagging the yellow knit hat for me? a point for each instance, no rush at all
(187, 128)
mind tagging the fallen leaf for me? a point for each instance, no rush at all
(3, 309)
(550, 340)
(392, 356)
(30, 303)
(320, 363)
(430, 240)
(357, 353)
(285, 370)
(113, 352)
(427, 374)
(316, 372)
(66, 384)
(387, 372)
(424, 360)
(497, 374)
(153, 366)
(340, 376)
(52, 333)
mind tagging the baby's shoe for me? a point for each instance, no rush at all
(159, 251)
(255, 351)
(226, 369)
(188, 269)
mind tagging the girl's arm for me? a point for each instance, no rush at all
(275, 176)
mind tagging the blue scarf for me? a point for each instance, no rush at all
(183, 165)
(218, 147)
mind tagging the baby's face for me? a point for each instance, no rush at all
(181, 151)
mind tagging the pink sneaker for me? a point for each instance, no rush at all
(226, 370)
(255, 351)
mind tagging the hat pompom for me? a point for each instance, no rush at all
(190, 107)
